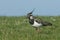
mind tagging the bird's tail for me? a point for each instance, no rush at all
(47, 24)
(50, 24)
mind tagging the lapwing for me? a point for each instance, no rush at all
(37, 23)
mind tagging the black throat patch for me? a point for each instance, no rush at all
(31, 21)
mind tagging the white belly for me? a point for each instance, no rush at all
(36, 24)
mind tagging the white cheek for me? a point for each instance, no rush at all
(31, 17)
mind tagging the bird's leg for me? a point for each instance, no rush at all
(38, 29)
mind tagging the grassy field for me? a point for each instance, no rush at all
(18, 28)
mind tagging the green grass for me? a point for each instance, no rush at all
(18, 28)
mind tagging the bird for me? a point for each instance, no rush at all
(37, 23)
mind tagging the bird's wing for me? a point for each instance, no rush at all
(38, 20)
(45, 23)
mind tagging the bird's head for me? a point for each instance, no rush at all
(30, 14)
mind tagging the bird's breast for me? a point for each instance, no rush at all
(36, 24)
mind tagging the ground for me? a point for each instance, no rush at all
(18, 28)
